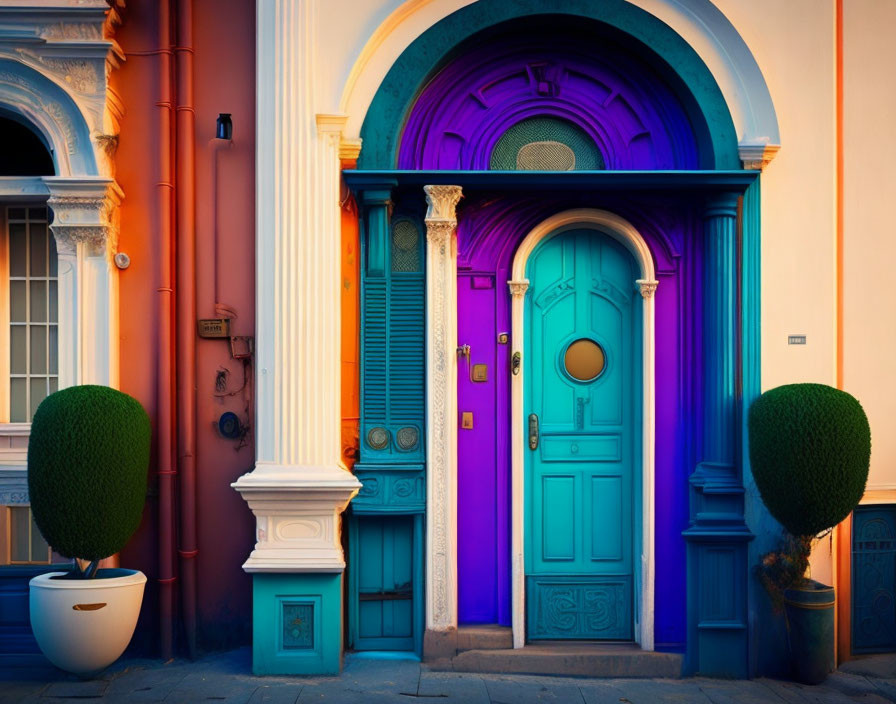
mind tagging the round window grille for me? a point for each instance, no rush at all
(546, 144)
(405, 246)
(545, 156)
(405, 235)
(406, 438)
(378, 438)
(584, 360)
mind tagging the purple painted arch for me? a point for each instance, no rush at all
(618, 100)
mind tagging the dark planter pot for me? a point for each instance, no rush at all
(810, 627)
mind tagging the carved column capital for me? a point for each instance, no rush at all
(647, 287)
(84, 212)
(442, 201)
(439, 232)
(518, 288)
(721, 205)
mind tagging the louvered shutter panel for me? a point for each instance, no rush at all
(374, 399)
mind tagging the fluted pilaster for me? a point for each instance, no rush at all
(720, 315)
(298, 486)
(718, 534)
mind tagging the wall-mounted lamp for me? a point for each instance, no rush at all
(224, 126)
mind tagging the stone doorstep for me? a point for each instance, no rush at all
(611, 660)
(487, 637)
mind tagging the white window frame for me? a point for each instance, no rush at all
(82, 221)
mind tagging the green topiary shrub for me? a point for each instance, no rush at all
(810, 447)
(87, 463)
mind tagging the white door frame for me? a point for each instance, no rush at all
(624, 232)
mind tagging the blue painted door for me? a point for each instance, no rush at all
(385, 570)
(580, 390)
(874, 579)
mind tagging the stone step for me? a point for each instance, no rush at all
(570, 659)
(486, 637)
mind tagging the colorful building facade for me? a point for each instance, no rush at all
(499, 281)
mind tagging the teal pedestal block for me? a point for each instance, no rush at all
(296, 624)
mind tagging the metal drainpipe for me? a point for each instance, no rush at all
(186, 314)
(165, 381)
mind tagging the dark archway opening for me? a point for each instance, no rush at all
(23, 152)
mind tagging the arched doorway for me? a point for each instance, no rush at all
(580, 402)
(600, 451)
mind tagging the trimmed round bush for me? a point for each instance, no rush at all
(810, 447)
(87, 462)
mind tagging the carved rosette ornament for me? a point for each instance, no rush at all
(441, 272)
(647, 288)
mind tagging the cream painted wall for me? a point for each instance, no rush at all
(870, 240)
(793, 43)
(344, 27)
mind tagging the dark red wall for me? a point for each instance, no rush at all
(224, 81)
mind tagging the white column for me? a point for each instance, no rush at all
(441, 407)
(517, 451)
(299, 486)
(85, 228)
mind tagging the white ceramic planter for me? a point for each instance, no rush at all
(84, 625)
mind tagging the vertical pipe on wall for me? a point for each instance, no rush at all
(186, 314)
(165, 381)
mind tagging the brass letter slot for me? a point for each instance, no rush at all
(466, 420)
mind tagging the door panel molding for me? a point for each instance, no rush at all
(625, 233)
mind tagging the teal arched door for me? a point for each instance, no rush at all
(582, 381)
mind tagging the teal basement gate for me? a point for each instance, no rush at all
(874, 579)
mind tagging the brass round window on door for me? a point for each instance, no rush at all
(584, 359)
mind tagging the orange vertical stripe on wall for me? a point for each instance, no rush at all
(351, 324)
(843, 532)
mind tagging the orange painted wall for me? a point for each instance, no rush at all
(351, 319)
(224, 81)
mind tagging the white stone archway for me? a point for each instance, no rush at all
(625, 233)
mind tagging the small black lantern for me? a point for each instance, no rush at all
(224, 127)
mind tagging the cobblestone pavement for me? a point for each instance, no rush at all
(223, 677)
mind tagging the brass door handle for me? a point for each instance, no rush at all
(533, 431)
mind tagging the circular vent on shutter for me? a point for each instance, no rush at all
(378, 438)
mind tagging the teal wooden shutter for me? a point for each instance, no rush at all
(393, 348)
